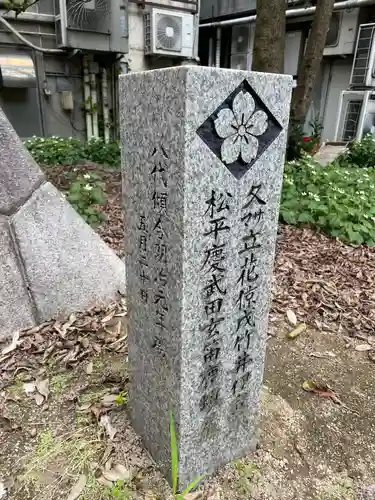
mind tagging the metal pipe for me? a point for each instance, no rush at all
(35, 33)
(94, 104)
(210, 50)
(105, 105)
(27, 42)
(218, 47)
(30, 16)
(87, 97)
(348, 4)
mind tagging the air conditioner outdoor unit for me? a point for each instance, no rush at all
(93, 25)
(363, 75)
(356, 115)
(342, 33)
(169, 33)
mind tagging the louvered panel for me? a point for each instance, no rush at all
(362, 56)
(89, 15)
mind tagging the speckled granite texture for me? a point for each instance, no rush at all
(51, 262)
(203, 154)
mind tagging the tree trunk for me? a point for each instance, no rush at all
(312, 58)
(269, 42)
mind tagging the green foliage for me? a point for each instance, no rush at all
(118, 491)
(98, 151)
(55, 150)
(121, 398)
(360, 154)
(174, 461)
(300, 144)
(18, 6)
(337, 200)
(295, 141)
(86, 193)
(248, 474)
(60, 151)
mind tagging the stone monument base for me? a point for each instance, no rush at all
(51, 262)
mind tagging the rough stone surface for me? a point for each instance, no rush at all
(19, 174)
(68, 266)
(203, 153)
(15, 309)
(367, 493)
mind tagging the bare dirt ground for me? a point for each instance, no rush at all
(63, 424)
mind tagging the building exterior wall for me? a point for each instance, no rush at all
(339, 81)
(219, 8)
(55, 73)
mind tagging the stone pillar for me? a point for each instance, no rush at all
(203, 156)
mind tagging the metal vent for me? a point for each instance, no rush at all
(334, 30)
(147, 31)
(168, 32)
(353, 111)
(88, 15)
(362, 56)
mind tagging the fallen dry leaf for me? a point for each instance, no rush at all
(89, 368)
(67, 325)
(117, 473)
(39, 399)
(85, 342)
(297, 331)
(371, 355)
(3, 491)
(109, 399)
(105, 422)
(42, 387)
(322, 390)
(363, 347)
(77, 489)
(13, 345)
(29, 387)
(292, 318)
(193, 496)
(105, 482)
(33, 432)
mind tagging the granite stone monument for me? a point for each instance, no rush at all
(203, 155)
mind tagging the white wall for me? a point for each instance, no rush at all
(338, 80)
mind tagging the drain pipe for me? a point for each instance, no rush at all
(87, 97)
(105, 104)
(94, 104)
(27, 42)
(218, 47)
(348, 4)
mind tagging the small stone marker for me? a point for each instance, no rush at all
(203, 156)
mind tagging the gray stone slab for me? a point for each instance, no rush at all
(19, 174)
(328, 153)
(15, 308)
(203, 155)
(68, 266)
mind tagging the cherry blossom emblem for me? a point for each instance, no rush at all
(240, 127)
(240, 130)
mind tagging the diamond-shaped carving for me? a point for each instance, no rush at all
(240, 130)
